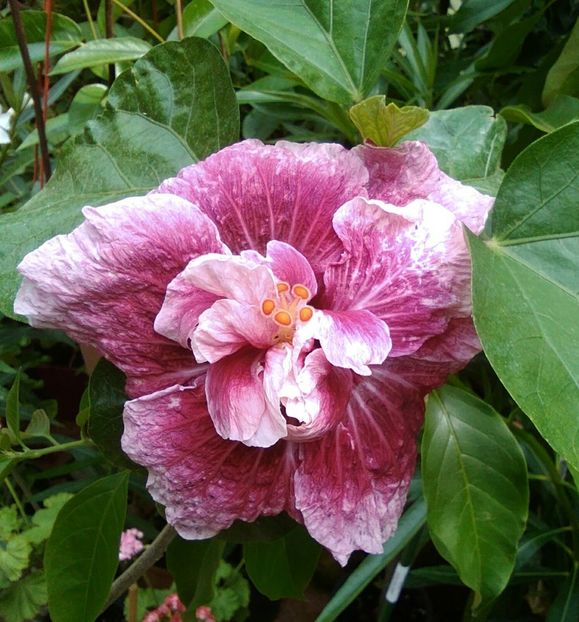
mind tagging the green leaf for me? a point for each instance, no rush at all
(200, 19)
(337, 49)
(57, 130)
(194, 565)
(383, 124)
(563, 77)
(23, 600)
(525, 287)
(39, 424)
(410, 523)
(107, 400)
(13, 408)
(186, 86)
(563, 110)
(65, 35)
(14, 556)
(9, 521)
(475, 12)
(467, 142)
(284, 567)
(100, 52)
(43, 519)
(121, 154)
(565, 608)
(475, 483)
(231, 592)
(82, 553)
(86, 105)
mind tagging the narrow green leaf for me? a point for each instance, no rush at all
(200, 19)
(563, 110)
(193, 564)
(186, 86)
(467, 142)
(284, 567)
(101, 51)
(563, 77)
(107, 398)
(85, 105)
(525, 287)
(336, 50)
(566, 605)
(475, 483)
(411, 522)
(384, 125)
(13, 408)
(103, 165)
(82, 553)
(474, 12)
(65, 35)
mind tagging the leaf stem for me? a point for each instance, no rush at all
(17, 501)
(135, 571)
(89, 19)
(32, 85)
(140, 21)
(179, 11)
(32, 454)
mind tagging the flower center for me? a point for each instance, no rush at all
(288, 310)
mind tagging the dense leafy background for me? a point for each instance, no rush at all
(491, 530)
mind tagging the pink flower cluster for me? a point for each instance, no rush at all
(169, 610)
(280, 312)
(131, 544)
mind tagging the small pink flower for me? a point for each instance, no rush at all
(169, 610)
(204, 614)
(280, 312)
(131, 544)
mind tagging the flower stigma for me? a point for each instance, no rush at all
(290, 309)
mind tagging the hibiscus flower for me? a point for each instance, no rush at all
(280, 313)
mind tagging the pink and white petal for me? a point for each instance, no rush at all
(323, 392)
(351, 485)
(204, 481)
(237, 403)
(410, 171)
(291, 266)
(409, 266)
(104, 283)
(203, 281)
(226, 327)
(287, 192)
(353, 339)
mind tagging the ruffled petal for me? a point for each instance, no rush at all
(205, 280)
(409, 266)
(353, 339)
(204, 481)
(410, 171)
(104, 283)
(351, 486)
(287, 192)
(291, 266)
(238, 404)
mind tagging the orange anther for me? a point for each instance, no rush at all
(267, 306)
(306, 314)
(282, 287)
(301, 291)
(283, 318)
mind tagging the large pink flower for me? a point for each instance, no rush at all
(280, 312)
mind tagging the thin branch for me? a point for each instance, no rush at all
(32, 85)
(109, 34)
(89, 19)
(135, 571)
(139, 21)
(179, 9)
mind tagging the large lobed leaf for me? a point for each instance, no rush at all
(130, 150)
(525, 285)
(337, 48)
(475, 483)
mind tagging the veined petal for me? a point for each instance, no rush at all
(205, 280)
(353, 339)
(410, 171)
(351, 485)
(408, 265)
(287, 192)
(104, 283)
(204, 481)
(237, 403)
(291, 266)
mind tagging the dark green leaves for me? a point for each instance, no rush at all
(171, 86)
(284, 567)
(525, 287)
(130, 150)
(82, 552)
(336, 48)
(475, 483)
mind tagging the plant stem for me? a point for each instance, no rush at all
(89, 19)
(109, 35)
(32, 454)
(179, 9)
(140, 21)
(17, 501)
(135, 571)
(32, 85)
